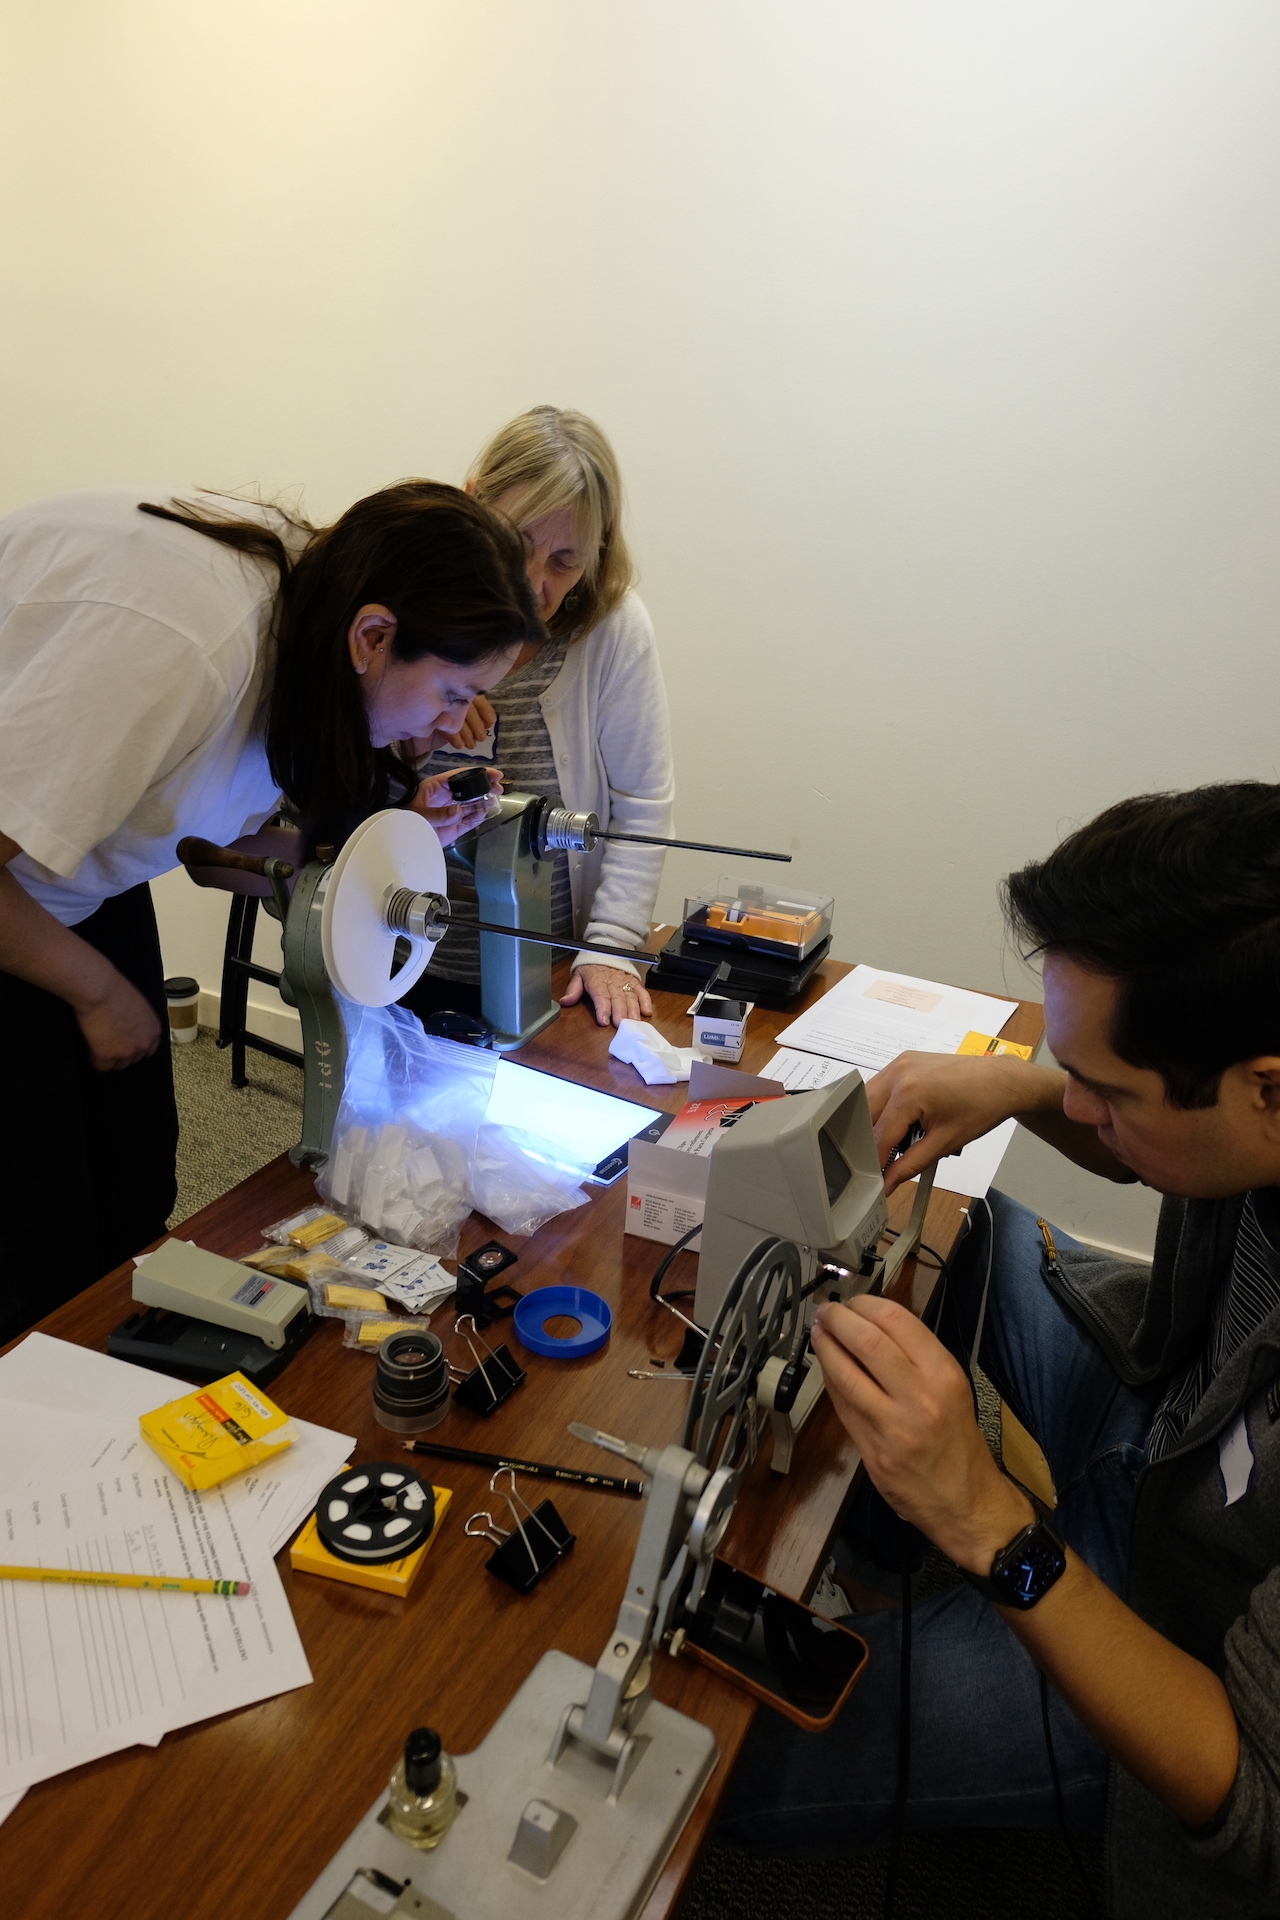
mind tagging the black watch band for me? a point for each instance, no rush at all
(1023, 1572)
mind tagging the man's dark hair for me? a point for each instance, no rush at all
(1177, 897)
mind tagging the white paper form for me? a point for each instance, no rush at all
(969, 1172)
(85, 1671)
(47, 1374)
(871, 1016)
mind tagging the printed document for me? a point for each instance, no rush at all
(872, 1016)
(90, 1669)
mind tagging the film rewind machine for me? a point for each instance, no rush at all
(367, 923)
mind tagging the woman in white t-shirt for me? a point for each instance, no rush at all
(582, 721)
(168, 671)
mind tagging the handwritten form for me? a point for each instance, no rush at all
(867, 1020)
(87, 1670)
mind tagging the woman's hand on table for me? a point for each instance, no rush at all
(615, 994)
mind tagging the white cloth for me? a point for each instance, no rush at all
(606, 713)
(658, 1063)
(133, 664)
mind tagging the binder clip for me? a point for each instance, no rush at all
(531, 1547)
(491, 1380)
(474, 1275)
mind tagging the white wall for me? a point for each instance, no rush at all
(937, 342)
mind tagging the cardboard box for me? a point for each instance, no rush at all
(667, 1164)
(720, 1028)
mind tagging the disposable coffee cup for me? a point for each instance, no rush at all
(183, 995)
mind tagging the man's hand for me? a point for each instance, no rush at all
(120, 1027)
(907, 1405)
(615, 994)
(958, 1098)
(480, 717)
(955, 1099)
(451, 820)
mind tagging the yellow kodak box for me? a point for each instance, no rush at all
(983, 1043)
(221, 1430)
(308, 1554)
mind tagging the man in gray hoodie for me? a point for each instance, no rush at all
(1150, 1597)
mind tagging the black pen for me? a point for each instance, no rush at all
(603, 1482)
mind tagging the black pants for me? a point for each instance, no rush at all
(88, 1158)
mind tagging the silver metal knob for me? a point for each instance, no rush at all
(424, 916)
(562, 831)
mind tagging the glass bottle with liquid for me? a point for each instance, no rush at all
(423, 1798)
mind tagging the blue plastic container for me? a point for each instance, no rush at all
(544, 1304)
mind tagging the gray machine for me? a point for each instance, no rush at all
(367, 923)
(807, 1169)
(581, 1788)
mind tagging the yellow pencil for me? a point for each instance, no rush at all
(154, 1582)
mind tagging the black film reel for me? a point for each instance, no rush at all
(375, 1513)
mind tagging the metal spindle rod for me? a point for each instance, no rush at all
(638, 954)
(695, 846)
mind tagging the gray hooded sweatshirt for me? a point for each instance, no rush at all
(1203, 1573)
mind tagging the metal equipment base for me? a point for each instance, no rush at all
(612, 1859)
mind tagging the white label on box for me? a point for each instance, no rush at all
(662, 1216)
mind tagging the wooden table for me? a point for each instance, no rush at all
(260, 1799)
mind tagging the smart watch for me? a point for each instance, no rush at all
(1024, 1571)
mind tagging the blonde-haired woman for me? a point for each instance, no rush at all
(582, 720)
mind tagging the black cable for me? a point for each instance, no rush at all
(660, 1273)
(899, 1826)
(1059, 1803)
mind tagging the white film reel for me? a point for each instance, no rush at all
(391, 849)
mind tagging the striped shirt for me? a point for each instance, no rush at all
(1251, 1292)
(523, 751)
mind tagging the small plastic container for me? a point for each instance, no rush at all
(551, 1303)
(760, 919)
(183, 996)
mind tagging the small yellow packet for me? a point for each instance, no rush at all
(314, 1231)
(289, 1264)
(363, 1297)
(372, 1333)
(984, 1043)
(208, 1436)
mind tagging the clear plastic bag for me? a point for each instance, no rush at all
(412, 1152)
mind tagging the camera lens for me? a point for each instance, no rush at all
(411, 1385)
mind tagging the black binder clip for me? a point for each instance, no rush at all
(493, 1378)
(534, 1543)
(474, 1275)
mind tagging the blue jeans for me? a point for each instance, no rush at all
(977, 1738)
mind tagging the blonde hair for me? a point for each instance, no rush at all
(548, 459)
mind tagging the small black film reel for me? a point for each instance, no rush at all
(375, 1513)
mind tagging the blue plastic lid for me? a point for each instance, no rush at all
(544, 1304)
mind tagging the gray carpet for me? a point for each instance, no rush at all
(228, 1133)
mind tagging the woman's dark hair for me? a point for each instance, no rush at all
(450, 570)
(1176, 896)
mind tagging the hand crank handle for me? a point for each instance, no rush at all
(195, 852)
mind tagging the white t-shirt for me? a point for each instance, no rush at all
(134, 662)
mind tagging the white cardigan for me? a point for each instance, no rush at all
(606, 713)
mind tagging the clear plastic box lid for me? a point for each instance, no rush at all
(783, 920)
